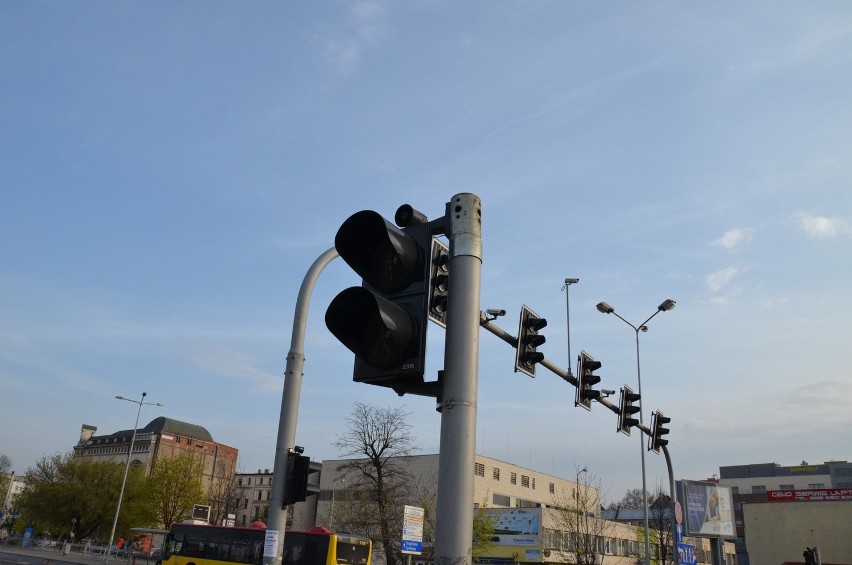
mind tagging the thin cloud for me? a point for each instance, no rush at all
(733, 238)
(822, 227)
(718, 280)
(235, 364)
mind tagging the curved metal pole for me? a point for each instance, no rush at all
(672, 521)
(293, 372)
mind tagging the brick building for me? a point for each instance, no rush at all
(162, 437)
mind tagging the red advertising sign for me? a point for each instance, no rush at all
(809, 495)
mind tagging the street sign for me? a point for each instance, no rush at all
(412, 530)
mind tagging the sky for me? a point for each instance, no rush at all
(170, 171)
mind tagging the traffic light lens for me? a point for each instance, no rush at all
(373, 328)
(385, 256)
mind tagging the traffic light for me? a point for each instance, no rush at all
(439, 277)
(586, 379)
(299, 469)
(656, 440)
(626, 410)
(526, 354)
(383, 322)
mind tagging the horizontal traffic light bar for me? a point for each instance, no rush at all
(488, 323)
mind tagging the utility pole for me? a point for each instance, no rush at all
(454, 526)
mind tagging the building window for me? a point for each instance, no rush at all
(525, 481)
(496, 474)
(533, 483)
(500, 500)
(786, 487)
(479, 469)
(758, 489)
(551, 488)
(513, 478)
(816, 485)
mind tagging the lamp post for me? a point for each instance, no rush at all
(141, 403)
(666, 305)
(565, 287)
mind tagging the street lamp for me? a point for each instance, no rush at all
(141, 403)
(666, 305)
(568, 283)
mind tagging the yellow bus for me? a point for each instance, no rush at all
(192, 544)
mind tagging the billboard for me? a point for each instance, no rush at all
(516, 527)
(709, 509)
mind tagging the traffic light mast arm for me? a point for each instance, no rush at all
(488, 324)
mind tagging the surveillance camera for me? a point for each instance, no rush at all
(496, 312)
(571, 281)
(607, 392)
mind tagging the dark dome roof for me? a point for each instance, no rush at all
(167, 425)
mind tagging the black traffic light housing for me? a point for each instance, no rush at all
(439, 278)
(526, 353)
(658, 430)
(627, 410)
(383, 322)
(299, 469)
(586, 379)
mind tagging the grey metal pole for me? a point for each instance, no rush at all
(642, 451)
(127, 465)
(277, 522)
(673, 496)
(454, 519)
(566, 287)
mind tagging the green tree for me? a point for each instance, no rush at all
(62, 490)
(175, 486)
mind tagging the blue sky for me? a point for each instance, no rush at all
(169, 172)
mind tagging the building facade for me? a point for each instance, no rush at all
(162, 438)
(254, 491)
(756, 485)
(514, 493)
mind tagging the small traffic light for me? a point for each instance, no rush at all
(627, 410)
(299, 469)
(586, 379)
(438, 281)
(526, 353)
(656, 440)
(383, 322)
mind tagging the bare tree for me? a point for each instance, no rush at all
(223, 495)
(578, 514)
(5, 477)
(632, 499)
(660, 520)
(380, 486)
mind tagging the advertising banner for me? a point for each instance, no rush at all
(709, 509)
(817, 494)
(517, 527)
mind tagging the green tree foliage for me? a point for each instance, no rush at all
(175, 486)
(63, 489)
